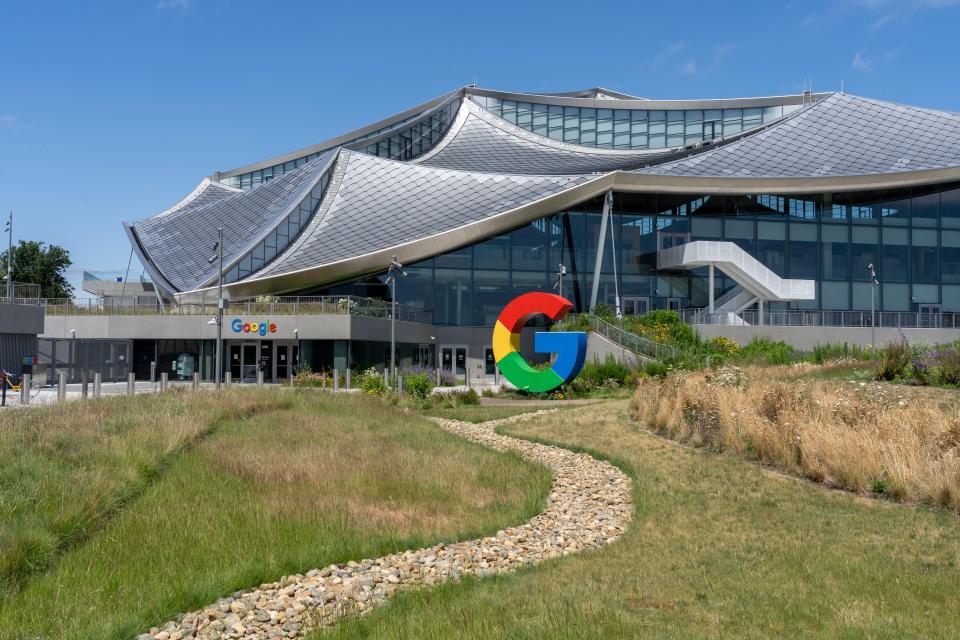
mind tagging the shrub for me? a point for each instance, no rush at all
(894, 361)
(418, 385)
(664, 326)
(823, 353)
(724, 345)
(372, 382)
(596, 373)
(457, 398)
(767, 351)
(603, 311)
(656, 369)
(944, 367)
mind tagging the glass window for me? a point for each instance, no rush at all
(895, 209)
(529, 246)
(458, 259)
(895, 256)
(674, 128)
(638, 244)
(924, 255)
(835, 295)
(950, 297)
(693, 129)
(732, 121)
(836, 252)
(658, 132)
(416, 288)
(950, 256)
(861, 296)
(950, 208)
(864, 251)
(489, 294)
(896, 297)
(925, 206)
(451, 299)
(803, 251)
(493, 252)
(605, 128)
(752, 118)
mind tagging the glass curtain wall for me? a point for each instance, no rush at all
(911, 237)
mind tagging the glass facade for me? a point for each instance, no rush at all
(630, 128)
(404, 145)
(912, 237)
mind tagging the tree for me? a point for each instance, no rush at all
(41, 264)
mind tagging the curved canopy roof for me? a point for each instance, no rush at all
(486, 176)
(841, 135)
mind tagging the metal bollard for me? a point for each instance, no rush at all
(131, 384)
(438, 376)
(259, 378)
(196, 380)
(386, 376)
(336, 380)
(347, 380)
(164, 378)
(96, 385)
(84, 385)
(61, 386)
(400, 385)
(25, 389)
(227, 379)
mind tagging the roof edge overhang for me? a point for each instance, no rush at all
(341, 139)
(160, 282)
(437, 244)
(643, 103)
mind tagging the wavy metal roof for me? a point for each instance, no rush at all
(487, 175)
(841, 135)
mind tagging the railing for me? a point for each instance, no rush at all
(629, 340)
(273, 306)
(820, 318)
(20, 293)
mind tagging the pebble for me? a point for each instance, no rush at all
(588, 506)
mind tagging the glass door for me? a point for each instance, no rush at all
(249, 362)
(929, 315)
(453, 359)
(236, 363)
(489, 364)
(636, 306)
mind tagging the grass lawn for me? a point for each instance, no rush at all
(720, 547)
(479, 413)
(303, 482)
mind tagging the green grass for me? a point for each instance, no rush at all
(719, 548)
(316, 480)
(66, 470)
(479, 413)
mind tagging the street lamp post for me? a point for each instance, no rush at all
(873, 314)
(218, 256)
(395, 271)
(9, 230)
(558, 285)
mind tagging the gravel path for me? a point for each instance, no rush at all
(588, 506)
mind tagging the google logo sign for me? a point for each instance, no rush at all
(570, 346)
(263, 328)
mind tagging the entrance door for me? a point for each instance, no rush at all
(284, 361)
(249, 362)
(489, 364)
(236, 362)
(929, 315)
(673, 304)
(453, 358)
(636, 306)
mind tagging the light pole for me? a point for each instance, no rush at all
(873, 314)
(558, 285)
(218, 256)
(395, 271)
(9, 230)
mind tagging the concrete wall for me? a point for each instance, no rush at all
(21, 318)
(806, 338)
(599, 347)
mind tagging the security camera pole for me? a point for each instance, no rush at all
(394, 272)
(873, 314)
(9, 231)
(218, 248)
(561, 271)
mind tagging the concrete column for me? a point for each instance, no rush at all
(336, 380)
(164, 377)
(61, 386)
(760, 309)
(84, 385)
(259, 378)
(196, 380)
(399, 384)
(131, 384)
(25, 389)
(598, 264)
(227, 379)
(96, 385)
(347, 380)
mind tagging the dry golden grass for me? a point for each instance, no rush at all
(862, 436)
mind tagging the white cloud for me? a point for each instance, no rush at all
(8, 121)
(861, 62)
(671, 50)
(888, 11)
(689, 67)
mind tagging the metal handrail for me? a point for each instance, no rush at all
(286, 305)
(825, 318)
(629, 340)
(22, 293)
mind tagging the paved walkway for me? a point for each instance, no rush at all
(588, 506)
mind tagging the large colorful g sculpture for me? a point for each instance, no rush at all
(570, 346)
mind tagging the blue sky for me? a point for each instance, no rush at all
(114, 110)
